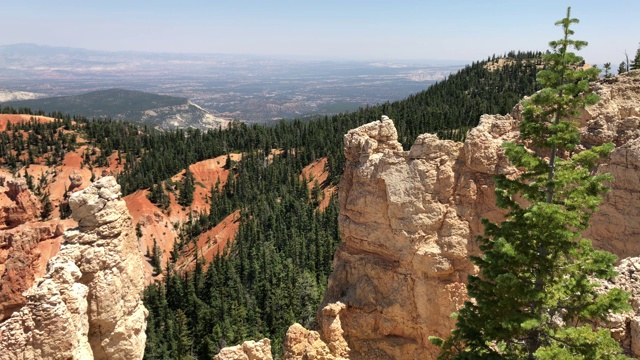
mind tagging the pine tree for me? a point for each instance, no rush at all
(187, 189)
(29, 180)
(182, 337)
(47, 208)
(535, 297)
(607, 70)
(138, 231)
(229, 163)
(622, 68)
(635, 63)
(156, 261)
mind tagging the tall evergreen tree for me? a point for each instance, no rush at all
(622, 68)
(635, 63)
(182, 337)
(535, 286)
(187, 188)
(607, 70)
(47, 208)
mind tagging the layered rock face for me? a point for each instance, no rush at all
(402, 264)
(88, 304)
(409, 220)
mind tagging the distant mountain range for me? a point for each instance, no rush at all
(159, 111)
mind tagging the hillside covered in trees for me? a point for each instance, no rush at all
(275, 273)
(158, 111)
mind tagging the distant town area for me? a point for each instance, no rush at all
(242, 87)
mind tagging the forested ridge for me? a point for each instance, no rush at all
(275, 273)
(109, 102)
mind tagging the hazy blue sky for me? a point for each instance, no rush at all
(343, 29)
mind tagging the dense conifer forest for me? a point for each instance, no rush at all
(276, 271)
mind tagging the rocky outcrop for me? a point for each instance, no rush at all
(616, 118)
(301, 343)
(18, 205)
(403, 258)
(25, 245)
(75, 181)
(24, 252)
(625, 327)
(88, 304)
(249, 350)
(409, 220)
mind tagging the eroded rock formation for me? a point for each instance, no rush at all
(301, 343)
(17, 204)
(409, 220)
(25, 245)
(75, 181)
(402, 264)
(24, 252)
(249, 350)
(88, 304)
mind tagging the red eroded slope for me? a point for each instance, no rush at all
(154, 225)
(317, 172)
(213, 242)
(20, 118)
(58, 177)
(206, 174)
(210, 243)
(159, 226)
(59, 181)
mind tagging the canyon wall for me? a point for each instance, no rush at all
(88, 304)
(409, 220)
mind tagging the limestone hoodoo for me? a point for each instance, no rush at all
(88, 305)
